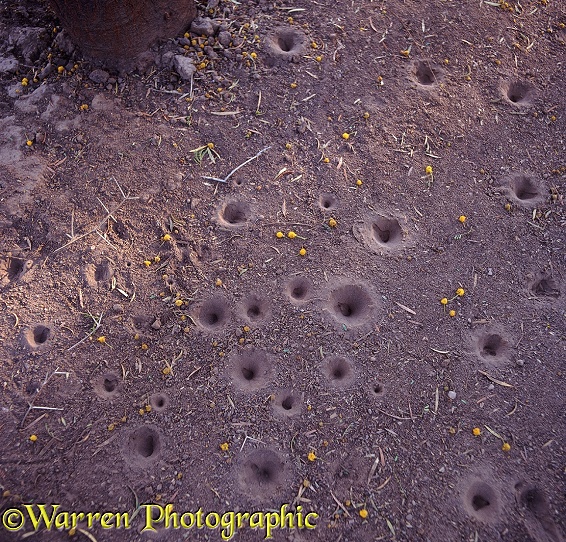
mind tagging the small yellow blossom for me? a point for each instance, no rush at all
(452, 313)
(444, 301)
(178, 302)
(291, 235)
(294, 85)
(157, 259)
(359, 182)
(428, 170)
(25, 82)
(84, 107)
(279, 235)
(253, 55)
(111, 427)
(326, 159)
(147, 263)
(363, 513)
(460, 292)
(33, 438)
(311, 456)
(288, 146)
(303, 252)
(218, 282)
(507, 206)
(476, 431)
(141, 411)
(318, 58)
(148, 408)
(246, 329)
(346, 136)
(314, 45)
(29, 142)
(224, 446)
(144, 346)
(166, 370)
(405, 53)
(366, 115)
(462, 218)
(166, 237)
(506, 447)
(137, 337)
(101, 339)
(61, 69)
(332, 223)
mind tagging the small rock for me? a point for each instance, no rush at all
(99, 76)
(184, 66)
(489, 272)
(64, 43)
(46, 72)
(156, 324)
(202, 26)
(118, 308)
(225, 38)
(210, 52)
(491, 387)
(9, 65)
(452, 394)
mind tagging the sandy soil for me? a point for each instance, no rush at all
(161, 344)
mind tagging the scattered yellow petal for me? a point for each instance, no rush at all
(111, 427)
(428, 170)
(363, 513)
(279, 235)
(61, 69)
(452, 313)
(224, 446)
(476, 431)
(366, 115)
(141, 411)
(157, 259)
(346, 136)
(462, 218)
(332, 223)
(29, 142)
(166, 237)
(314, 45)
(147, 263)
(311, 456)
(444, 301)
(246, 329)
(359, 182)
(506, 447)
(294, 85)
(291, 235)
(148, 408)
(33, 438)
(460, 292)
(218, 282)
(136, 336)
(254, 55)
(178, 302)
(144, 346)
(318, 59)
(25, 82)
(326, 159)
(405, 53)
(101, 339)
(166, 370)
(303, 252)
(84, 107)
(507, 206)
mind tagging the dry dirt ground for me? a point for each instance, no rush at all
(161, 345)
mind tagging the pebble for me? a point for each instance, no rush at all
(202, 26)
(184, 66)
(452, 394)
(9, 65)
(99, 76)
(224, 38)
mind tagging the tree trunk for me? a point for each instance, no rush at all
(114, 32)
